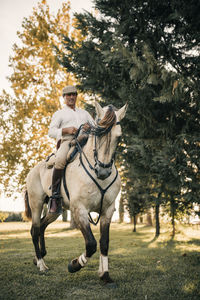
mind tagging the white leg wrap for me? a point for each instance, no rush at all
(83, 260)
(103, 265)
(41, 265)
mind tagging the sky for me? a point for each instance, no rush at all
(12, 13)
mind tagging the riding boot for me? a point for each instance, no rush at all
(55, 200)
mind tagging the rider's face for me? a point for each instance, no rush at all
(70, 99)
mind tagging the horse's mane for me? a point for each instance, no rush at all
(109, 118)
(104, 126)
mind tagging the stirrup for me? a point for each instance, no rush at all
(58, 198)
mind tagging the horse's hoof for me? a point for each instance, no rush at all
(74, 266)
(35, 261)
(43, 272)
(107, 281)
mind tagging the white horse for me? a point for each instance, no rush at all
(93, 184)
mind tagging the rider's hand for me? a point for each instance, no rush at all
(69, 130)
(86, 126)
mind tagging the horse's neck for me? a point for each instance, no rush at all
(89, 147)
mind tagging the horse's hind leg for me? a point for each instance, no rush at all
(38, 228)
(81, 219)
(35, 233)
(104, 246)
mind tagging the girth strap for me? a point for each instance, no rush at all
(64, 183)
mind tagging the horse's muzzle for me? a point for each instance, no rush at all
(102, 173)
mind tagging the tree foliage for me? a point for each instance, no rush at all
(36, 81)
(147, 54)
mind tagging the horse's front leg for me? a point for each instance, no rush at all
(81, 220)
(44, 222)
(104, 246)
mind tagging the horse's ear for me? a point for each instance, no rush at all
(121, 112)
(99, 110)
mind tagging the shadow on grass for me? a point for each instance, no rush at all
(154, 239)
(164, 240)
(194, 242)
(13, 232)
(172, 243)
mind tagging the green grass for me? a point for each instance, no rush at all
(143, 267)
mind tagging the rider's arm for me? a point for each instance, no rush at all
(55, 130)
(89, 121)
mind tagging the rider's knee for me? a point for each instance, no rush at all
(59, 164)
(60, 161)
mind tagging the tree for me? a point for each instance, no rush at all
(137, 201)
(36, 81)
(121, 210)
(146, 54)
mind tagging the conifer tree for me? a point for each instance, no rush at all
(147, 54)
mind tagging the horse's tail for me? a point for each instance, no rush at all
(27, 206)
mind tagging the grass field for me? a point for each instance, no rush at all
(143, 267)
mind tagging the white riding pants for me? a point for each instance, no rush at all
(62, 152)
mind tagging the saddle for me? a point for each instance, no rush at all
(81, 140)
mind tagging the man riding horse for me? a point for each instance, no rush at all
(64, 125)
(98, 182)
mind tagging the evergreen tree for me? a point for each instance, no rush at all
(147, 54)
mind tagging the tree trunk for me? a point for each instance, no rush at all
(134, 223)
(64, 215)
(141, 219)
(173, 210)
(149, 218)
(121, 210)
(157, 217)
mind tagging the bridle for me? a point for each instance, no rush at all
(97, 161)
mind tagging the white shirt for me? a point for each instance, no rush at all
(67, 117)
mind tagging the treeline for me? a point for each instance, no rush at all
(11, 217)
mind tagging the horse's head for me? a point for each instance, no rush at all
(107, 134)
